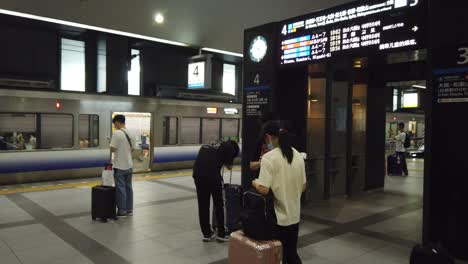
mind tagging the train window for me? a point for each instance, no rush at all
(88, 131)
(210, 130)
(170, 130)
(56, 131)
(18, 131)
(134, 84)
(73, 65)
(229, 79)
(190, 130)
(101, 66)
(230, 129)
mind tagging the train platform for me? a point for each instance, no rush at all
(51, 223)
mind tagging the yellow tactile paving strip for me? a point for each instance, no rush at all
(91, 183)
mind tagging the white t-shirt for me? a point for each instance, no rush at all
(286, 181)
(400, 142)
(123, 154)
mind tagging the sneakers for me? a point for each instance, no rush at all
(209, 238)
(121, 214)
(130, 213)
(224, 238)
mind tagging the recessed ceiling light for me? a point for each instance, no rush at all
(159, 18)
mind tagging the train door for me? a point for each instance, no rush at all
(138, 126)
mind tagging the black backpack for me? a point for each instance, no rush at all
(407, 143)
(258, 216)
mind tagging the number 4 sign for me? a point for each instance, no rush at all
(463, 56)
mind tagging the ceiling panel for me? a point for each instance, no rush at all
(210, 23)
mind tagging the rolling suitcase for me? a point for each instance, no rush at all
(430, 255)
(232, 195)
(103, 203)
(243, 250)
(393, 166)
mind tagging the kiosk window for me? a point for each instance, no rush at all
(190, 130)
(88, 131)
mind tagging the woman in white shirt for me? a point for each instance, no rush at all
(282, 171)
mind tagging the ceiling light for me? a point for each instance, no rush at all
(223, 52)
(159, 18)
(419, 86)
(78, 25)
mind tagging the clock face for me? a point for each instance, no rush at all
(258, 49)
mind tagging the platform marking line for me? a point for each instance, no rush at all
(84, 184)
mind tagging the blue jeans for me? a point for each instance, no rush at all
(123, 190)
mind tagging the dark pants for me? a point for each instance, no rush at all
(404, 167)
(288, 236)
(206, 190)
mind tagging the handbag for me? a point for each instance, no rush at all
(107, 176)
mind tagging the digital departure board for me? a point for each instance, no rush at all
(358, 28)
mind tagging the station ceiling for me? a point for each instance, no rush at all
(215, 24)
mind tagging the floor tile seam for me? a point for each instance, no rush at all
(141, 205)
(47, 219)
(18, 224)
(176, 186)
(385, 215)
(386, 238)
(14, 253)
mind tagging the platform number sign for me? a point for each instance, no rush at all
(463, 56)
(257, 79)
(196, 75)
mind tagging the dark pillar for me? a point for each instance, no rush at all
(91, 62)
(446, 167)
(118, 57)
(259, 86)
(375, 145)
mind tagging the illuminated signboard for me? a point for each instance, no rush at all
(410, 100)
(361, 27)
(196, 75)
(211, 110)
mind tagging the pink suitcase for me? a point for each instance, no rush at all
(243, 250)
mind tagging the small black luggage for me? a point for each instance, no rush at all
(103, 205)
(430, 255)
(394, 165)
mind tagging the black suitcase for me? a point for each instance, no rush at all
(232, 195)
(430, 255)
(103, 205)
(394, 166)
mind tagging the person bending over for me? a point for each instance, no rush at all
(209, 183)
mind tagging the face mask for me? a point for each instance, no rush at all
(269, 145)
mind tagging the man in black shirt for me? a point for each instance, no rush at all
(209, 183)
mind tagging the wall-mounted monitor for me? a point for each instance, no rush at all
(355, 29)
(199, 72)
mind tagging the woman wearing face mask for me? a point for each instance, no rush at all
(283, 172)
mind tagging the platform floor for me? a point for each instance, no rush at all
(53, 225)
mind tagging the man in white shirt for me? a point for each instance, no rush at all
(400, 147)
(122, 147)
